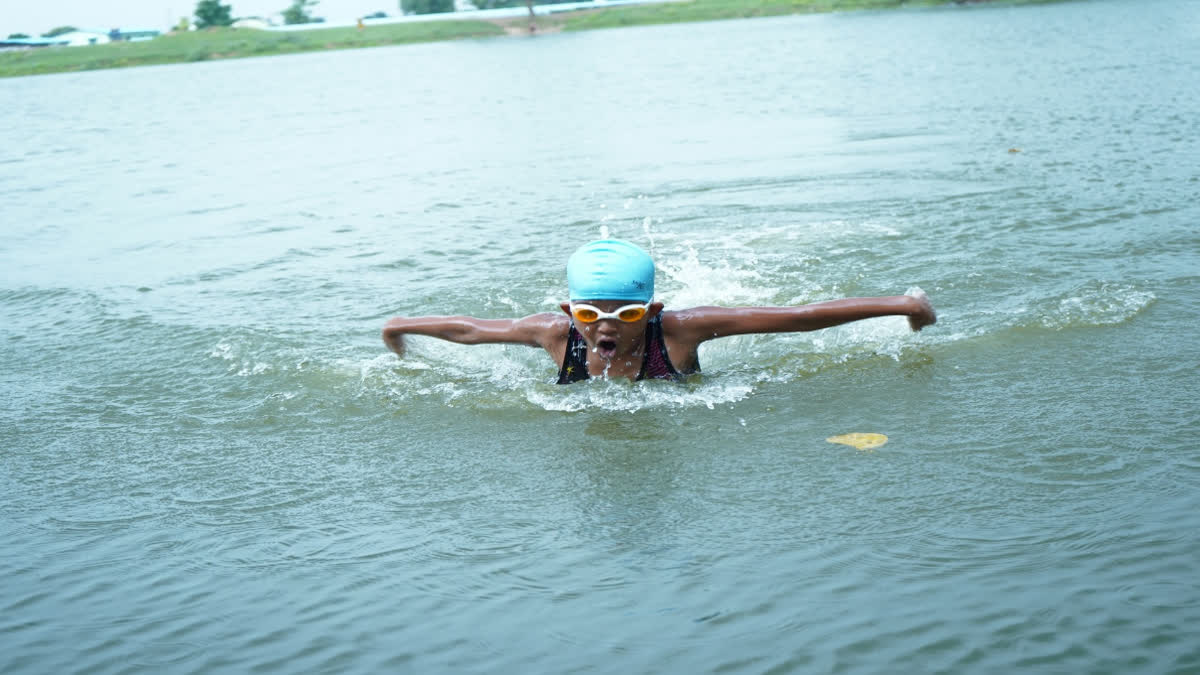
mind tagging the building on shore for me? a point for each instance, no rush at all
(132, 34)
(81, 38)
(255, 22)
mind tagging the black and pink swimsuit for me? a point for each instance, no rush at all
(655, 366)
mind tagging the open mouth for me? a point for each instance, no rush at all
(606, 348)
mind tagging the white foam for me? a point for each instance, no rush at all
(690, 282)
(1097, 304)
(256, 369)
(625, 396)
(222, 350)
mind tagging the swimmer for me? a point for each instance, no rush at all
(612, 327)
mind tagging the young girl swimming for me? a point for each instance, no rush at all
(611, 326)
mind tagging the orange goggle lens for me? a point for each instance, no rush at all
(589, 314)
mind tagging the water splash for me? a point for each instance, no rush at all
(1091, 304)
(692, 272)
(690, 282)
(1094, 304)
(625, 396)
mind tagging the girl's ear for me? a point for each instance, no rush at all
(566, 308)
(655, 309)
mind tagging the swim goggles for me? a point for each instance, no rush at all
(585, 313)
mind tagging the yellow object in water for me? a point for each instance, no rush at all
(860, 440)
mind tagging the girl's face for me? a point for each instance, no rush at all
(612, 338)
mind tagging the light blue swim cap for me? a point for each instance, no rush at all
(610, 269)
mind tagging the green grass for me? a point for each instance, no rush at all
(231, 43)
(715, 10)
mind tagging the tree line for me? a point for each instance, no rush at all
(213, 13)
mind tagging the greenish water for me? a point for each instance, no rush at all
(211, 464)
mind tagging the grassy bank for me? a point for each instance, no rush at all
(714, 10)
(227, 43)
(230, 43)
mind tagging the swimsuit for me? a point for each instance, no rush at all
(656, 365)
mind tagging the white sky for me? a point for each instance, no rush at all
(35, 17)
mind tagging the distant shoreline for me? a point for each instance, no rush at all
(230, 43)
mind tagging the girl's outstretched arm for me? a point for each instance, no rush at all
(537, 330)
(706, 323)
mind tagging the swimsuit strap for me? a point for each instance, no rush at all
(574, 367)
(656, 365)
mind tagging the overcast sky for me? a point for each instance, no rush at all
(35, 17)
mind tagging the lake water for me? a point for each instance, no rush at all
(210, 463)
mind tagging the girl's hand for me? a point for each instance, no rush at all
(922, 313)
(395, 342)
